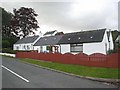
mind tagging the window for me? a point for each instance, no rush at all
(28, 47)
(17, 47)
(24, 47)
(49, 48)
(76, 47)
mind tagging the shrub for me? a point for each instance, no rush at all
(8, 50)
(5, 44)
(114, 51)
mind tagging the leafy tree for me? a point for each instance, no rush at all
(8, 39)
(24, 21)
(5, 44)
(6, 19)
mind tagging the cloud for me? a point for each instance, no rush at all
(72, 16)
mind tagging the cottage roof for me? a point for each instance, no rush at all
(83, 37)
(50, 32)
(27, 40)
(51, 40)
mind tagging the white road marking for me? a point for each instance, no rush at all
(15, 73)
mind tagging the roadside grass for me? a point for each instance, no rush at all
(97, 72)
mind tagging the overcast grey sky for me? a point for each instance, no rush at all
(71, 16)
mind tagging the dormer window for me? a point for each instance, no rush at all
(54, 38)
(45, 39)
(68, 38)
(91, 37)
(79, 38)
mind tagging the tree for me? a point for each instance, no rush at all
(6, 19)
(24, 21)
(8, 39)
(5, 44)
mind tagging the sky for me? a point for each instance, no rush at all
(70, 15)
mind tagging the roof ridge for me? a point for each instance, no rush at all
(85, 31)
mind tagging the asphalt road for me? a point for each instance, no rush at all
(17, 74)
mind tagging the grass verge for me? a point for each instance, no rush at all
(77, 69)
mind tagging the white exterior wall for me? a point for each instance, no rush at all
(44, 49)
(90, 48)
(21, 46)
(65, 48)
(98, 47)
(111, 42)
(36, 48)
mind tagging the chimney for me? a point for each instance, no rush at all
(21, 37)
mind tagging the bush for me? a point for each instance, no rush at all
(5, 44)
(8, 50)
(113, 51)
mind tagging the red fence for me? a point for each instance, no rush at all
(94, 60)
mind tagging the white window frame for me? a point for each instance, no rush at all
(74, 46)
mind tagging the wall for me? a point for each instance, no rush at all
(21, 46)
(65, 48)
(93, 60)
(8, 54)
(111, 42)
(44, 48)
(96, 47)
(90, 48)
(36, 48)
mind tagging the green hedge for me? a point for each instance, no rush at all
(9, 50)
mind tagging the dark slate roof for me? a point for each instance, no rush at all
(50, 32)
(27, 40)
(83, 37)
(51, 40)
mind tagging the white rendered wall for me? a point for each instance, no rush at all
(21, 46)
(98, 47)
(111, 42)
(36, 48)
(44, 49)
(65, 48)
(90, 48)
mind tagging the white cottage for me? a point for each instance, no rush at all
(89, 42)
(26, 43)
(48, 44)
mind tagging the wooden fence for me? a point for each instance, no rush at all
(94, 60)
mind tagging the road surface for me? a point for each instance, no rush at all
(17, 74)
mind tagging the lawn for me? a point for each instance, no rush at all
(77, 69)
